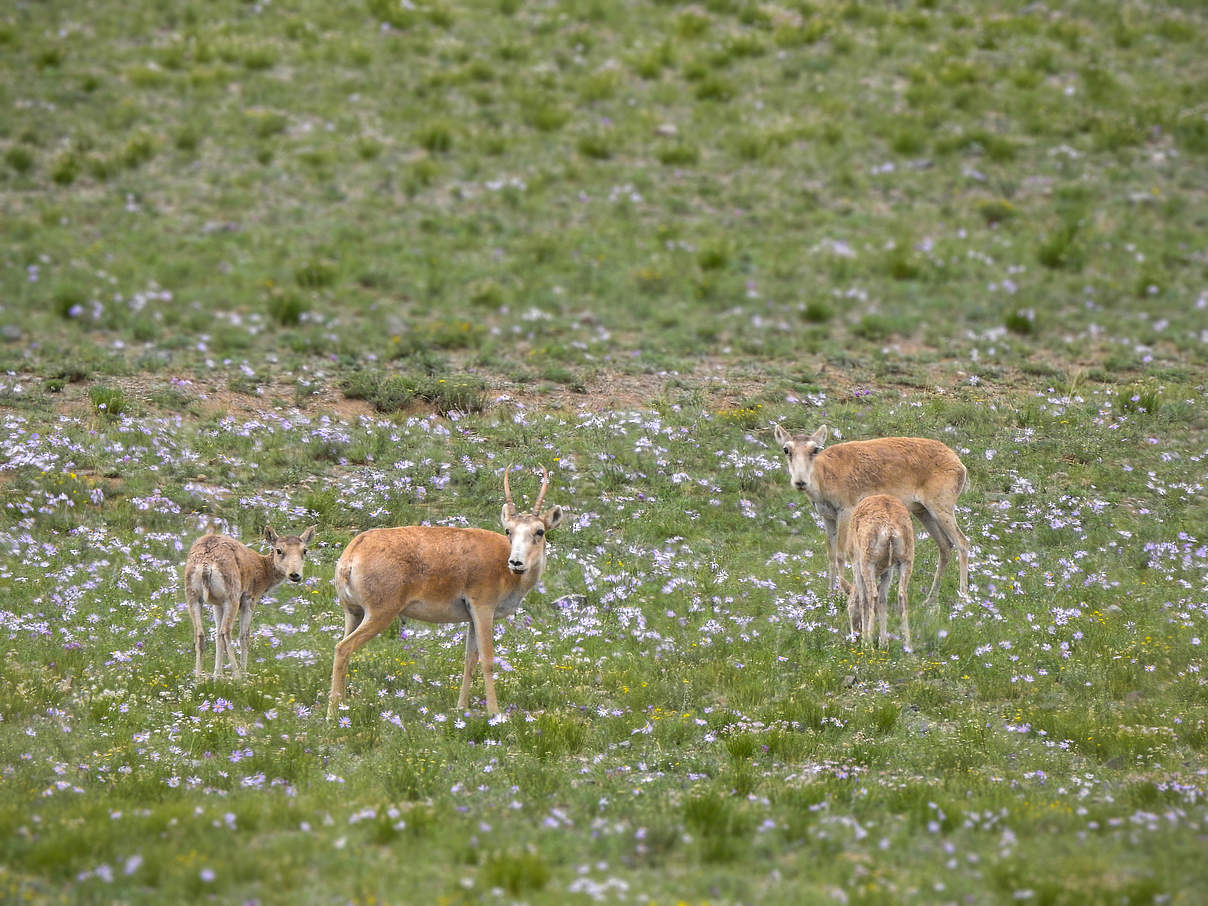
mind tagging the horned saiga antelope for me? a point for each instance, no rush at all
(923, 474)
(231, 577)
(877, 539)
(440, 574)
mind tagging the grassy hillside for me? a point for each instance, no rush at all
(269, 263)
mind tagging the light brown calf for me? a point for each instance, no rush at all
(877, 539)
(231, 577)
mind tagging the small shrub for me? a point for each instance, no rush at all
(599, 86)
(692, 24)
(436, 137)
(818, 311)
(139, 149)
(1140, 399)
(49, 57)
(187, 139)
(368, 148)
(66, 169)
(1021, 321)
(109, 402)
(544, 115)
(996, 211)
(461, 394)
(908, 140)
(286, 308)
(901, 263)
(596, 145)
(19, 158)
(101, 168)
(68, 301)
(391, 393)
(316, 273)
(1057, 250)
(714, 257)
(267, 123)
(679, 154)
(361, 385)
(715, 88)
(258, 58)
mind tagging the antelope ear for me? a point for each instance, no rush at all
(269, 535)
(819, 437)
(552, 517)
(782, 436)
(504, 515)
(309, 535)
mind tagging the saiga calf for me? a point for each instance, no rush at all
(877, 539)
(231, 577)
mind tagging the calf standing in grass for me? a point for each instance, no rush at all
(231, 577)
(877, 538)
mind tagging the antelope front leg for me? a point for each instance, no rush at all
(834, 555)
(463, 699)
(484, 621)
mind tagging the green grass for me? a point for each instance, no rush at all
(297, 263)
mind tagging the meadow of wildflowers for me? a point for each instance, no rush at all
(686, 717)
(287, 264)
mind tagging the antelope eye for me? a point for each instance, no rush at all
(787, 451)
(540, 533)
(508, 532)
(280, 553)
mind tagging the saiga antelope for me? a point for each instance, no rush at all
(231, 577)
(877, 538)
(923, 474)
(441, 575)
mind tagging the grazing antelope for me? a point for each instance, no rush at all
(440, 574)
(231, 577)
(923, 474)
(877, 538)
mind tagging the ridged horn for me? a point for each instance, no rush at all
(544, 488)
(507, 494)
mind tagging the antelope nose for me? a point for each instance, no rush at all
(516, 565)
(800, 485)
(295, 577)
